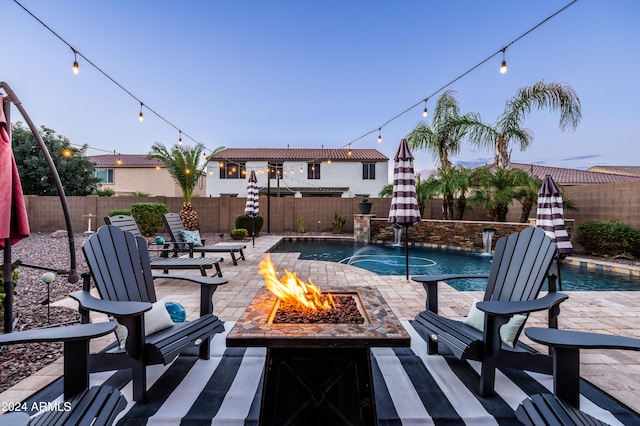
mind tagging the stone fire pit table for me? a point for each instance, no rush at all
(319, 373)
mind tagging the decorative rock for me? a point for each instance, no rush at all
(60, 233)
(176, 311)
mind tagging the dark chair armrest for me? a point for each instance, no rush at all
(512, 308)
(444, 277)
(582, 340)
(117, 309)
(198, 279)
(58, 334)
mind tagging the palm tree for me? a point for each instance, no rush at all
(497, 190)
(441, 138)
(185, 166)
(508, 130)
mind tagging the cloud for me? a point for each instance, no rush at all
(581, 157)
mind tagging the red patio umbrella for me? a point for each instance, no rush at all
(14, 223)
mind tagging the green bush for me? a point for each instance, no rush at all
(140, 194)
(338, 223)
(118, 212)
(15, 274)
(149, 217)
(608, 238)
(105, 192)
(239, 233)
(246, 222)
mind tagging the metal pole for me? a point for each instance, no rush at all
(268, 200)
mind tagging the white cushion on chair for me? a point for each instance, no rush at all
(155, 319)
(508, 332)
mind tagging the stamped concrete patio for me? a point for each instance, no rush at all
(616, 372)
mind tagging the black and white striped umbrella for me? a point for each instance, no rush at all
(252, 207)
(550, 215)
(404, 210)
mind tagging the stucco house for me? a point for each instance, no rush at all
(298, 172)
(127, 174)
(570, 177)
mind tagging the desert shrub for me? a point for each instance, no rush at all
(338, 223)
(15, 274)
(117, 212)
(302, 225)
(246, 222)
(149, 217)
(608, 238)
(105, 192)
(239, 233)
(140, 194)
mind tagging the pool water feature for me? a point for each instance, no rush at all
(389, 260)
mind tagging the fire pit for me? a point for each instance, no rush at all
(319, 373)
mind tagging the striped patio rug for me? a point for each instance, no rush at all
(410, 387)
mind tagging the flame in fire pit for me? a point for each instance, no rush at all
(290, 288)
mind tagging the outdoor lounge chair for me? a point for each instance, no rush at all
(563, 407)
(128, 223)
(120, 268)
(98, 405)
(174, 227)
(519, 267)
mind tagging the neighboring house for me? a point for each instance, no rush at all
(568, 177)
(130, 173)
(618, 170)
(299, 172)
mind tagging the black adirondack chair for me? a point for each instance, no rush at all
(519, 267)
(174, 226)
(120, 268)
(563, 407)
(128, 223)
(98, 405)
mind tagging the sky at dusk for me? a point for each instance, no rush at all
(307, 74)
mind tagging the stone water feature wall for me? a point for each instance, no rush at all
(462, 235)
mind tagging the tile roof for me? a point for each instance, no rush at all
(571, 176)
(128, 160)
(302, 154)
(618, 170)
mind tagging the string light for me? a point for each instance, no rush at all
(180, 138)
(349, 153)
(141, 115)
(76, 68)
(503, 66)
(425, 112)
(379, 135)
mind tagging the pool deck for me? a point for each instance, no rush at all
(615, 312)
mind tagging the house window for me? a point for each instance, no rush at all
(105, 175)
(275, 170)
(368, 171)
(232, 171)
(313, 171)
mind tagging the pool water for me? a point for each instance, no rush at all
(390, 260)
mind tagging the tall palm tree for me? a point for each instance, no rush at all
(509, 129)
(185, 165)
(441, 139)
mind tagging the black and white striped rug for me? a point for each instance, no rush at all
(410, 386)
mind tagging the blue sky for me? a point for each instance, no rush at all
(305, 74)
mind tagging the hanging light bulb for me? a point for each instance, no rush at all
(141, 115)
(379, 135)
(349, 153)
(180, 138)
(76, 68)
(329, 161)
(301, 169)
(503, 66)
(425, 112)
(157, 167)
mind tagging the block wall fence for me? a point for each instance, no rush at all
(619, 201)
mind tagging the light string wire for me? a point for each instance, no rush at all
(377, 129)
(78, 53)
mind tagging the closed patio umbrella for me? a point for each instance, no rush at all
(14, 223)
(404, 210)
(252, 208)
(550, 217)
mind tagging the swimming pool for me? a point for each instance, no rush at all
(389, 260)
